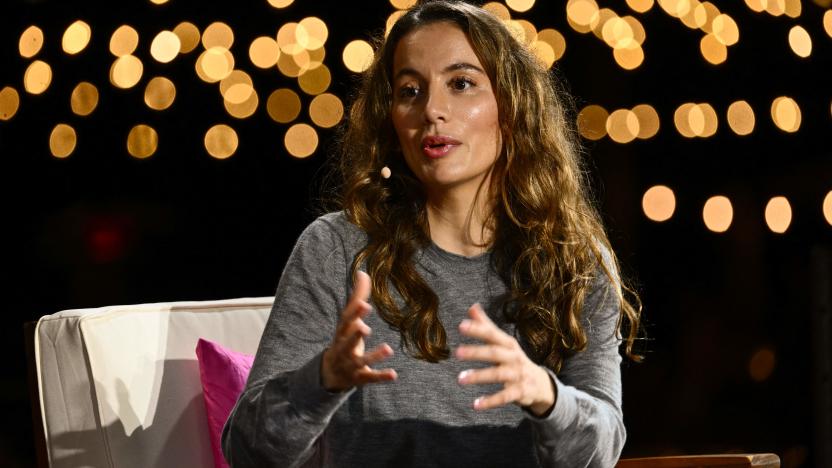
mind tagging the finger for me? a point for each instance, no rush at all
(481, 327)
(501, 398)
(487, 353)
(496, 374)
(373, 376)
(353, 311)
(379, 353)
(348, 341)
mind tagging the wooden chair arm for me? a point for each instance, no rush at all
(758, 460)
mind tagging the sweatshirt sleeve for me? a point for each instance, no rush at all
(284, 409)
(586, 427)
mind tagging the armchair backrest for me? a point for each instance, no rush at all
(119, 386)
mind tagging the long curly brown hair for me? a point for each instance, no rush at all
(548, 238)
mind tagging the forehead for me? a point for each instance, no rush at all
(434, 46)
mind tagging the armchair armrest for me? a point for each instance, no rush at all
(758, 460)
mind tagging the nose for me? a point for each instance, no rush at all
(436, 106)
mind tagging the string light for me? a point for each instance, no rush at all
(315, 81)
(800, 41)
(761, 365)
(283, 105)
(358, 55)
(188, 35)
(84, 99)
(142, 141)
(326, 110)
(718, 213)
(126, 72)
(741, 118)
(31, 41)
(218, 34)
(221, 141)
(124, 41)
(301, 140)
(659, 203)
(827, 207)
(243, 110)
(622, 126)
(76, 37)
(62, 141)
(38, 77)
(592, 122)
(165, 46)
(778, 214)
(159, 93)
(264, 52)
(640, 6)
(786, 114)
(520, 6)
(9, 102)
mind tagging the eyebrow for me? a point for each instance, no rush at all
(450, 68)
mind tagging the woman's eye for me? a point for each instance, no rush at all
(408, 92)
(461, 84)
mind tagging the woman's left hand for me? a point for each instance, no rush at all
(525, 383)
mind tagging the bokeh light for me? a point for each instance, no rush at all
(725, 30)
(718, 213)
(9, 102)
(640, 6)
(827, 22)
(741, 118)
(165, 46)
(648, 121)
(62, 140)
(315, 81)
(31, 41)
(761, 365)
(592, 122)
(76, 37)
(126, 71)
(555, 40)
(800, 41)
(786, 114)
(280, 3)
(498, 9)
(37, 77)
(581, 13)
(391, 20)
(214, 64)
(142, 141)
(681, 118)
(520, 6)
(629, 57)
(402, 4)
(659, 203)
(326, 110)
(778, 214)
(84, 99)
(714, 51)
(293, 66)
(237, 87)
(221, 141)
(301, 140)
(793, 8)
(827, 207)
(245, 109)
(315, 33)
(283, 105)
(124, 41)
(358, 55)
(622, 126)
(264, 52)
(188, 35)
(218, 34)
(159, 93)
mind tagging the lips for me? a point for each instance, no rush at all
(437, 146)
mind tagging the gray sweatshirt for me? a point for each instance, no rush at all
(425, 418)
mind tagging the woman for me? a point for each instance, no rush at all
(495, 304)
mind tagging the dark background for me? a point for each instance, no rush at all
(102, 228)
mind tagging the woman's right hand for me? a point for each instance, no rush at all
(345, 364)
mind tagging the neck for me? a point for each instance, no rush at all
(456, 219)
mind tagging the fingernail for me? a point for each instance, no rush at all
(465, 325)
(463, 375)
(477, 403)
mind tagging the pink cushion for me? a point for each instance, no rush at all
(223, 373)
